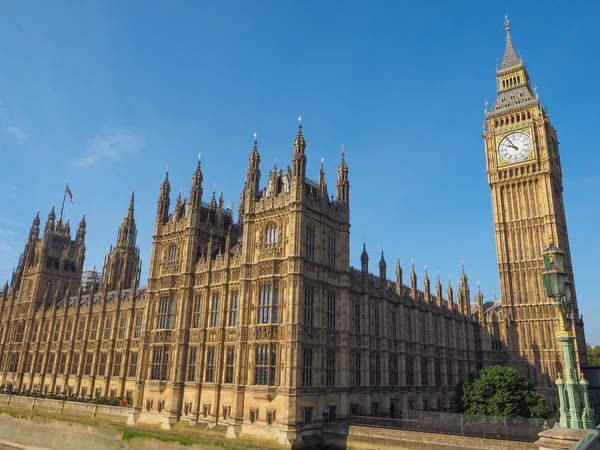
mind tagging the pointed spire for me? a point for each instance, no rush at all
(342, 185)
(450, 295)
(51, 216)
(36, 219)
(413, 282)
(221, 200)
(299, 142)
(213, 200)
(427, 286)
(510, 59)
(438, 290)
(131, 205)
(253, 172)
(382, 270)
(68, 226)
(162, 212)
(364, 260)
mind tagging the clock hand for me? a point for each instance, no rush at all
(511, 144)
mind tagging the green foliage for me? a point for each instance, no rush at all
(593, 355)
(501, 392)
(128, 435)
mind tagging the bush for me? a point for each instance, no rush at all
(501, 392)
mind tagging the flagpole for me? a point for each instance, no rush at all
(64, 197)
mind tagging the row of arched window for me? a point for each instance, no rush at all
(515, 118)
(511, 82)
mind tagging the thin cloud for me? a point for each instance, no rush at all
(111, 143)
(17, 132)
(6, 221)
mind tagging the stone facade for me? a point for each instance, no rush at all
(261, 323)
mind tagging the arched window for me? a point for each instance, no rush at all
(272, 235)
(172, 256)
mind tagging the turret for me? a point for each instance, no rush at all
(67, 228)
(34, 231)
(50, 221)
(253, 173)
(343, 185)
(398, 277)
(413, 283)
(80, 235)
(299, 159)
(450, 296)
(322, 184)
(382, 269)
(427, 287)
(438, 292)
(464, 294)
(480, 310)
(364, 262)
(220, 210)
(164, 201)
(196, 189)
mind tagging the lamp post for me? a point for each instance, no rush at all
(571, 415)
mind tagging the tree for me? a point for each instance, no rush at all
(593, 355)
(500, 391)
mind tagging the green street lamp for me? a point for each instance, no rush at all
(571, 415)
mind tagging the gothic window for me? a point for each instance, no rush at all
(310, 243)
(117, 364)
(94, 329)
(123, 328)
(19, 332)
(196, 315)
(75, 363)
(210, 365)
(69, 330)
(394, 370)
(438, 372)
(355, 368)
(375, 323)
(496, 342)
(57, 326)
(39, 362)
(89, 358)
(309, 297)
(308, 415)
(272, 235)
(394, 324)
(330, 310)
(307, 360)
(424, 371)
(164, 320)
(410, 371)
(264, 366)
(34, 332)
(331, 250)
(172, 255)
(191, 375)
(50, 368)
(81, 329)
(356, 315)
(268, 304)
(375, 369)
(330, 368)
(214, 311)
(137, 331)
(160, 363)
(133, 360)
(233, 309)
(102, 365)
(13, 362)
(230, 365)
(423, 333)
(107, 327)
(409, 329)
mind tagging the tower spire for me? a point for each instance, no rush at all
(510, 59)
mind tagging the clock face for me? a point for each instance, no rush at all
(515, 147)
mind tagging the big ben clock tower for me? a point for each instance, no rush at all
(525, 177)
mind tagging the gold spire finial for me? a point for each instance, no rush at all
(506, 23)
(550, 239)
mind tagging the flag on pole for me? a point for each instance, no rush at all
(68, 191)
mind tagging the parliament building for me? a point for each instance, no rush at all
(260, 323)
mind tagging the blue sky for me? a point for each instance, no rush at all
(107, 94)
